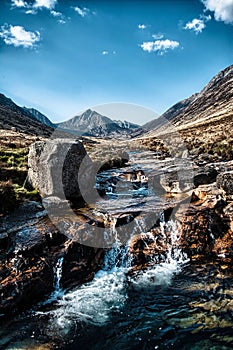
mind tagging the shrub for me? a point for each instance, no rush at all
(8, 199)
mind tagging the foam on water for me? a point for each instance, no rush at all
(94, 302)
(162, 274)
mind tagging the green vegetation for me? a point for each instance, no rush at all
(23, 193)
(13, 178)
(14, 158)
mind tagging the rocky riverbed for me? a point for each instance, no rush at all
(35, 237)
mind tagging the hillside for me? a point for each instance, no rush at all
(215, 100)
(13, 117)
(204, 121)
(39, 117)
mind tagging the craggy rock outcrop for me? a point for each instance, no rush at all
(225, 182)
(204, 176)
(153, 247)
(54, 168)
(80, 264)
(203, 228)
(30, 246)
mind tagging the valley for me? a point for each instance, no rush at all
(113, 229)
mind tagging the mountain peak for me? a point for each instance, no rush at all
(92, 123)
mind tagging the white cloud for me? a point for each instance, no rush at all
(19, 3)
(223, 9)
(197, 25)
(142, 26)
(56, 14)
(18, 36)
(159, 46)
(157, 36)
(61, 21)
(31, 12)
(33, 7)
(81, 11)
(105, 52)
(49, 4)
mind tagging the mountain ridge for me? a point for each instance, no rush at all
(14, 117)
(39, 116)
(214, 99)
(92, 123)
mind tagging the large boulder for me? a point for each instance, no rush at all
(205, 176)
(54, 168)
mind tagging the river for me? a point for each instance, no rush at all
(174, 304)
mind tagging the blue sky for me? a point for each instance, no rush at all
(63, 57)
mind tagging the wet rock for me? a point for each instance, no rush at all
(80, 264)
(55, 204)
(25, 286)
(30, 246)
(176, 181)
(205, 176)
(155, 246)
(8, 200)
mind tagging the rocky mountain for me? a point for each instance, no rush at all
(215, 100)
(204, 122)
(91, 123)
(39, 116)
(13, 117)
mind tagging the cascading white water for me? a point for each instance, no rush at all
(58, 275)
(161, 274)
(95, 301)
(58, 292)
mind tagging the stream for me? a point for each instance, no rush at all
(174, 304)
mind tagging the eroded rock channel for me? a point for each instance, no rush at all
(138, 225)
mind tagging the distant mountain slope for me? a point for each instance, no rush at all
(171, 113)
(204, 122)
(214, 100)
(17, 118)
(39, 116)
(91, 123)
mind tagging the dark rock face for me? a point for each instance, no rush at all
(153, 247)
(54, 168)
(26, 272)
(204, 229)
(30, 246)
(23, 288)
(205, 176)
(80, 264)
(225, 182)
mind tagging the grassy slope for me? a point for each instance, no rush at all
(13, 170)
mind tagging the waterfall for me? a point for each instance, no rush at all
(174, 259)
(58, 275)
(58, 292)
(95, 301)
